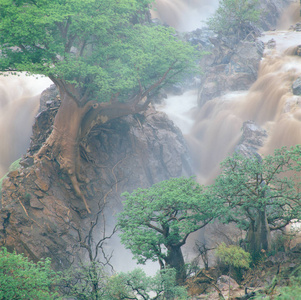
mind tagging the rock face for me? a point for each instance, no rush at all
(253, 137)
(272, 11)
(41, 215)
(297, 87)
(233, 64)
(230, 68)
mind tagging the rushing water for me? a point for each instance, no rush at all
(216, 127)
(213, 131)
(19, 103)
(184, 15)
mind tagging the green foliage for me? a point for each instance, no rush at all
(14, 166)
(89, 282)
(233, 256)
(254, 188)
(233, 16)
(290, 292)
(1, 181)
(163, 216)
(99, 47)
(137, 285)
(22, 279)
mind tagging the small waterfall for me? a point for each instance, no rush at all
(184, 15)
(19, 103)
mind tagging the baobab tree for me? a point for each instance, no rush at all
(105, 57)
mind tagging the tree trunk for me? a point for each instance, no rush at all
(175, 260)
(62, 144)
(259, 235)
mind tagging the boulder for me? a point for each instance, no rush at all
(232, 69)
(297, 87)
(253, 137)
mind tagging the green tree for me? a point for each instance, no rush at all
(103, 55)
(81, 282)
(156, 222)
(261, 194)
(137, 285)
(234, 17)
(23, 279)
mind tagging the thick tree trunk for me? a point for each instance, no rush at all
(175, 260)
(259, 235)
(63, 143)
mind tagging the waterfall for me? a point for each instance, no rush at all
(19, 103)
(213, 130)
(270, 103)
(184, 15)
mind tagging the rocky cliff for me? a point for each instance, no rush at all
(233, 64)
(42, 217)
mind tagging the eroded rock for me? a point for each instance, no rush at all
(297, 87)
(42, 217)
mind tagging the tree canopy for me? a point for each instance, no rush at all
(104, 48)
(156, 222)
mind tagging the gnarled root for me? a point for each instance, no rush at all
(77, 190)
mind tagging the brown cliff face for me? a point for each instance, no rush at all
(41, 215)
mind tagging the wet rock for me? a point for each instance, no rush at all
(272, 11)
(200, 38)
(13, 173)
(26, 161)
(271, 44)
(36, 203)
(232, 68)
(252, 139)
(298, 27)
(46, 217)
(49, 98)
(297, 87)
(223, 283)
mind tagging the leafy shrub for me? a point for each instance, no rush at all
(233, 256)
(23, 279)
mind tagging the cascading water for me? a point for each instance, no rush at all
(184, 15)
(19, 103)
(269, 102)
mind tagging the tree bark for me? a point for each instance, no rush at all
(62, 145)
(259, 235)
(175, 260)
(77, 116)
